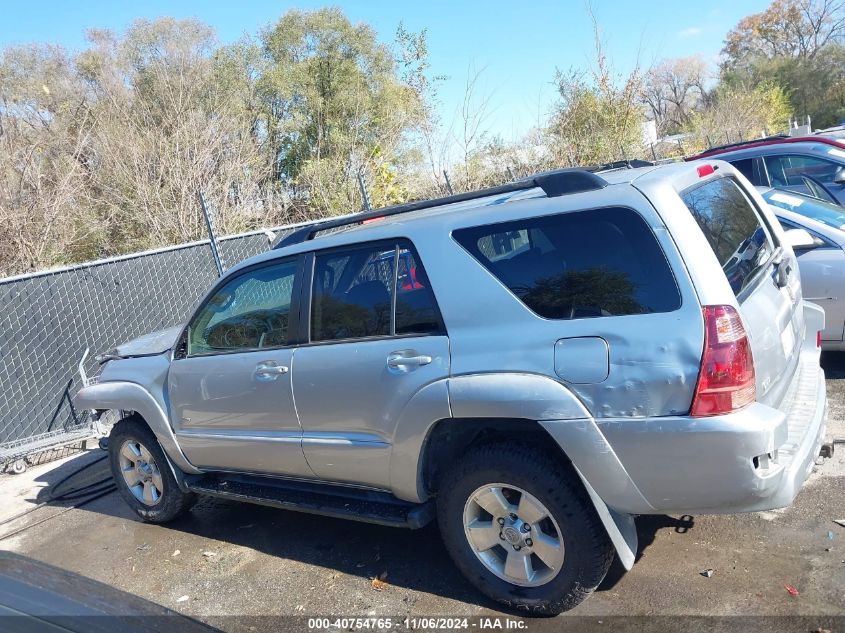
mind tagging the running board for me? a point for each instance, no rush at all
(369, 506)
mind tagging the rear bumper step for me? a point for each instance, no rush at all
(368, 506)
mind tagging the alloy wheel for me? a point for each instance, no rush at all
(513, 535)
(140, 472)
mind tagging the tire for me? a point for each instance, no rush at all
(570, 519)
(159, 499)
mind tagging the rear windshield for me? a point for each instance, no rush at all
(733, 228)
(597, 263)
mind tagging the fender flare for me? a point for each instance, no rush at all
(531, 397)
(130, 396)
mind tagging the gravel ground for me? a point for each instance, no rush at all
(232, 559)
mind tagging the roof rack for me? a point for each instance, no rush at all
(555, 183)
(738, 144)
(633, 163)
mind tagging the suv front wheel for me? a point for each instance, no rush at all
(142, 474)
(521, 528)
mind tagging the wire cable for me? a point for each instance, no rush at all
(84, 494)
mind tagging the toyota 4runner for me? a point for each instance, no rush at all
(534, 365)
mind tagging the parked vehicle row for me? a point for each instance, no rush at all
(814, 165)
(531, 365)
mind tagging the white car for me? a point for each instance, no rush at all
(816, 231)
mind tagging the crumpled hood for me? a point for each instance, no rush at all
(148, 344)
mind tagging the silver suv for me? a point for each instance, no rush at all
(533, 364)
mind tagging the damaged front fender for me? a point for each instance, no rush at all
(128, 396)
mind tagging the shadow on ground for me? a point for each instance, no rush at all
(416, 560)
(833, 364)
(647, 529)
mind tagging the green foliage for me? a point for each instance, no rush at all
(737, 113)
(599, 117)
(797, 44)
(102, 151)
(597, 120)
(333, 101)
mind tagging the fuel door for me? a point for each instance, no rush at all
(582, 360)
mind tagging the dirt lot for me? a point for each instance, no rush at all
(232, 559)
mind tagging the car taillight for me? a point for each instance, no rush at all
(819, 338)
(726, 379)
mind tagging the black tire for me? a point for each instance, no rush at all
(588, 552)
(173, 502)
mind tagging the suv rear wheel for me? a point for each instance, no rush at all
(142, 474)
(521, 529)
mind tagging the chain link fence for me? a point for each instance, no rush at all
(48, 319)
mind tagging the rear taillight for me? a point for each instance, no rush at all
(819, 339)
(726, 378)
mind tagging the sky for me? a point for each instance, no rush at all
(516, 45)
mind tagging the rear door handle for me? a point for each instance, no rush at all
(401, 360)
(269, 370)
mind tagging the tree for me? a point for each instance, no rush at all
(104, 151)
(788, 28)
(797, 44)
(673, 89)
(598, 117)
(332, 98)
(735, 114)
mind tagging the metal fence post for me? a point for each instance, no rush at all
(365, 195)
(212, 234)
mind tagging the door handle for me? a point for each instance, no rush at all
(269, 370)
(399, 360)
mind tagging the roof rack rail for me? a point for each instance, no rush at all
(555, 183)
(771, 137)
(622, 164)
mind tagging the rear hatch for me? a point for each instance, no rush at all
(763, 275)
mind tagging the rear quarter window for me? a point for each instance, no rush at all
(595, 263)
(732, 227)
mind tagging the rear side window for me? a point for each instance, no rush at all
(602, 262)
(732, 227)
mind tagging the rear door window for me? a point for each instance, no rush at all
(596, 263)
(416, 310)
(355, 291)
(352, 294)
(732, 227)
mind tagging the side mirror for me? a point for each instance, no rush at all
(800, 239)
(839, 176)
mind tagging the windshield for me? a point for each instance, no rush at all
(813, 208)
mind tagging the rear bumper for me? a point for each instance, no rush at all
(755, 459)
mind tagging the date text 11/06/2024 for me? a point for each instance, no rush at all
(420, 623)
